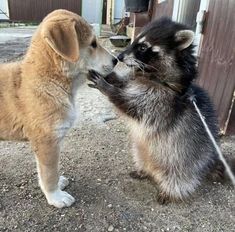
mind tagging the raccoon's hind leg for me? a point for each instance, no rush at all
(141, 159)
(163, 198)
(147, 167)
(174, 186)
(140, 175)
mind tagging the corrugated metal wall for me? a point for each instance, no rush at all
(92, 11)
(164, 8)
(231, 123)
(36, 10)
(217, 57)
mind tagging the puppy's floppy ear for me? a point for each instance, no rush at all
(61, 36)
(184, 38)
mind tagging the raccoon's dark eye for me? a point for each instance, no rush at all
(142, 47)
(93, 44)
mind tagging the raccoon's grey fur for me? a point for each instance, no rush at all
(170, 143)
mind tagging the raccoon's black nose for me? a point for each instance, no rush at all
(114, 61)
(120, 57)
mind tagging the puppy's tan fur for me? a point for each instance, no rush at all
(37, 94)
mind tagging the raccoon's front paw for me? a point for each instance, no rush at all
(98, 81)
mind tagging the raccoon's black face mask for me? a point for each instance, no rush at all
(164, 47)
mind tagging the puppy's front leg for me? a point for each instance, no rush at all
(47, 156)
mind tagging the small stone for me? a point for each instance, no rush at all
(110, 205)
(111, 228)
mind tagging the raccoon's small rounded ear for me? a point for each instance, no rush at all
(184, 38)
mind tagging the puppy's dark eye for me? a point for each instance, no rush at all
(94, 44)
(142, 47)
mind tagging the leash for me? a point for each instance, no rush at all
(227, 167)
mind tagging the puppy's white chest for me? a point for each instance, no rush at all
(67, 123)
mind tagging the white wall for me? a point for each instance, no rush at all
(92, 10)
(118, 10)
(4, 8)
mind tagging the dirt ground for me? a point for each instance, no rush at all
(96, 158)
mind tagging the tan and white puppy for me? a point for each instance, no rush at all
(37, 94)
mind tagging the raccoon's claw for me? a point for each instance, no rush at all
(92, 86)
(95, 77)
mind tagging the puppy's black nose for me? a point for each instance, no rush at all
(114, 61)
(120, 57)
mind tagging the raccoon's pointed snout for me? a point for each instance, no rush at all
(114, 60)
(120, 56)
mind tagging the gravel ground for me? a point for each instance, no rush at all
(96, 158)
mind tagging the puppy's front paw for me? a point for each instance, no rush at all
(59, 199)
(63, 182)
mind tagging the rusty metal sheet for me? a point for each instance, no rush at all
(35, 11)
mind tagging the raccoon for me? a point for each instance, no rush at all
(169, 142)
